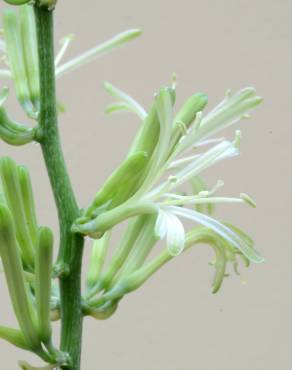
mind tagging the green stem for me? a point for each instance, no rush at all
(71, 245)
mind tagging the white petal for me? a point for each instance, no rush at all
(163, 104)
(208, 142)
(132, 104)
(101, 49)
(213, 155)
(181, 200)
(227, 114)
(175, 238)
(220, 229)
(161, 224)
(182, 161)
(169, 226)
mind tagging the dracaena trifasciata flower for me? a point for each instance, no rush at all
(176, 149)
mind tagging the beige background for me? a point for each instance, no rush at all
(174, 322)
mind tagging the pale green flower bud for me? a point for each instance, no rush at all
(16, 60)
(43, 272)
(14, 337)
(30, 53)
(120, 185)
(13, 195)
(97, 259)
(14, 133)
(22, 305)
(17, 2)
(196, 103)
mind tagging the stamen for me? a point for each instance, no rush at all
(174, 81)
(182, 161)
(246, 198)
(202, 198)
(172, 179)
(5, 73)
(182, 126)
(65, 42)
(217, 186)
(208, 142)
(203, 193)
(228, 94)
(237, 139)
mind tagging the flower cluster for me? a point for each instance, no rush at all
(148, 189)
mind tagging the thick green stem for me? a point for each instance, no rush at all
(71, 245)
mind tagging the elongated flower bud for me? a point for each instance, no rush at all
(138, 277)
(25, 366)
(121, 184)
(22, 305)
(16, 60)
(196, 103)
(43, 271)
(30, 52)
(140, 252)
(14, 133)
(104, 312)
(148, 135)
(28, 202)
(186, 116)
(122, 252)
(142, 247)
(97, 259)
(12, 190)
(17, 2)
(14, 337)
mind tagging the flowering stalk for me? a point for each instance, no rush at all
(71, 246)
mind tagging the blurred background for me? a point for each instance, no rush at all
(174, 322)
